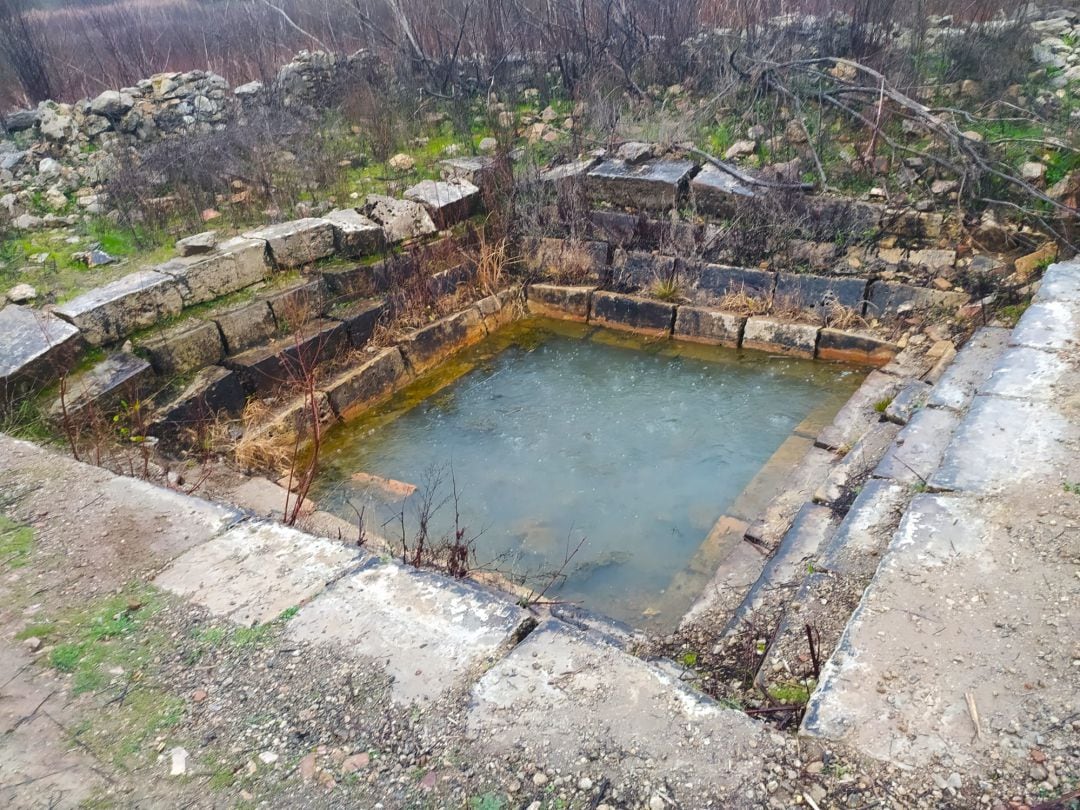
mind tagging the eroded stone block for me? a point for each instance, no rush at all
(709, 326)
(632, 313)
(112, 312)
(354, 234)
(842, 346)
(568, 303)
(781, 337)
(448, 202)
(296, 243)
(365, 385)
(426, 347)
(189, 347)
(400, 219)
(36, 348)
(657, 184)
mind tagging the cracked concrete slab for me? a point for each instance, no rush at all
(430, 632)
(561, 694)
(255, 571)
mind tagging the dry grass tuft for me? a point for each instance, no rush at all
(262, 447)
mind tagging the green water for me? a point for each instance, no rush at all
(556, 432)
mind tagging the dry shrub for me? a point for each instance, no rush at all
(262, 447)
(571, 265)
(839, 316)
(739, 301)
(492, 259)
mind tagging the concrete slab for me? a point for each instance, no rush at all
(109, 313)
(561, 693)
(430, 632)
(186, 348)
(1060, 282)
(718, 193)
(919, 447)
(952, 620)
(1050, 324)
(1003, 442)
(553, 301)
(710, 326)
(255, 570)
(35, 349)
(1023, 373)
(400, 219)
(972, 365)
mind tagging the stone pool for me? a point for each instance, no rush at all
(554, 432)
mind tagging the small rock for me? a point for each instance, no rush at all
(740, 149)
(540, 779)
(1032, 171)
(268, 757)
(198, 243)
(307, 767)
(33, 643)
(656, 802)
(584, 783)
(209, 214)
(178, 761)
(355, 762)
(199, 695)
(402, 163)
(21, 294)
(940, 188)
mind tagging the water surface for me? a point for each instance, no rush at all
(556, 432)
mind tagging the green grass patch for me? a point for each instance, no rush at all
(16, 543)
(791, 694)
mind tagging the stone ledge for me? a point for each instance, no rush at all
(700, 325)
(426, 347)
(850, 347)
(184, 349)
(296, 243)
(632, 313)
(234, 265)
(780, 337)
(112, 312)
(36, 348)
(554, 301)
(657, 184)
(360, 388)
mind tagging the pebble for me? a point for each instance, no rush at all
(268, 757)
(33, 643)
(178, 761)
(584, 783)
(540, 779)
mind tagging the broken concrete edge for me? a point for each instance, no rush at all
(707, 325)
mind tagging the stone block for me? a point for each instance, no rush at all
(255, 571)
(479, 170)
(401, 220)
(297, 243)
(711, 326)
(447, 202)
(36, 348)
(859, 412)
(887, 300)
(637, 269)
(780, 337)
(112, 312)
(1023, 373)
(717, 193)
(428, 631)
(120, 377)
(186, 348)
(568, 259)
(567, 303)
(354, 234)
(909, 399)
(857, 464)
(711, 282)
(246, 326)
(631, 313)
(362, 387)
(919, 447)
(360, 319)
(842, 346)
(972, 366)
(656, 185)
(1060, 282)
(359, 281)
(618, 229)
(568, 174)
(213, 390)
(818, 293)
(426, 347)
(267, 369)
(297, 304)
(235, 264)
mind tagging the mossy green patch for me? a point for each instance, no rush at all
(16, 543)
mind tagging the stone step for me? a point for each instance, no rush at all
(968, 607)
(571, 699)
(118, 379)
(833, 585)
